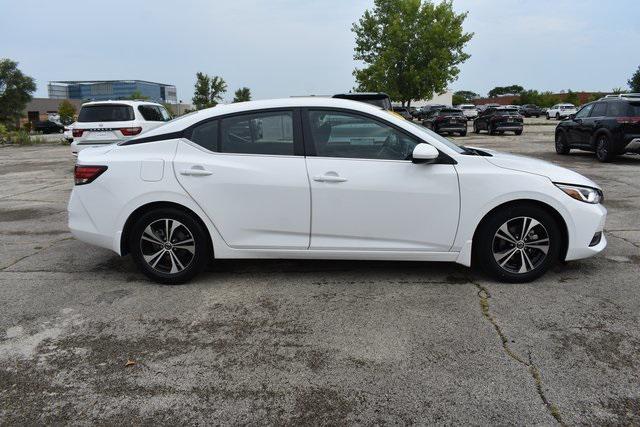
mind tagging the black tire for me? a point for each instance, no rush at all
(562, 146)
(488, 246)
(492, 131)
(463, 133)
(518, 132)
(537, 116)
(548, 118)
(557, 116)
(475, 128)
(604, 151)
(192, 263)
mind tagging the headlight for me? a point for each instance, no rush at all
(584, 194)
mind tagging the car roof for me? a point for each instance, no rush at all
(187, 120)
(132, 103)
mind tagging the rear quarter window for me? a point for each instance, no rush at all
(154, 113)
(106, 113)
(634, 110)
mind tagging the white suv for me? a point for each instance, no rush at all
(108, 122)
(560, 111)
(469, 110)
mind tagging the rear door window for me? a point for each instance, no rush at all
(599, 109)
(616, 109)
(258, 133)
(634, 110)
(105, 113)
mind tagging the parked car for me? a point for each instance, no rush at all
(499, 120)
(561, 111)
(403, 112)
(531, 110)
(68, 132)
(424, 110)
(446, 120)
(47, 126)
(328, 179)
(608, 127)
(379, 99)
(469, 110)
(108, 122)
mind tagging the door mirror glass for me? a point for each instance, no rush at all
(423, 153)
(572, 116)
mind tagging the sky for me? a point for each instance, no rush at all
(280, 48)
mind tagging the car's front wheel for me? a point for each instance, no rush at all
(518, 244)
(169, 246)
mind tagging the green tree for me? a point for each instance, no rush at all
(464, 97)
(202, 91)
(411, 49)
(208, 90)
(505, 90)
(15, 92)
(241, 95)
(137, 95)
(67, 111)
(634, 81)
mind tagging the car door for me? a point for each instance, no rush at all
(248, 174)
(366, 192)
(578, 126)
(592, 123)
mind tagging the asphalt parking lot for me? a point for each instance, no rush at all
(85, 338)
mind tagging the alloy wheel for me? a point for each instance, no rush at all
(520, 245)
(602, 149)
(167, 246)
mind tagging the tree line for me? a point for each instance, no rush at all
(209, 91)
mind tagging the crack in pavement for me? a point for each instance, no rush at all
(624, 239)
(35, 253)
(484, 295)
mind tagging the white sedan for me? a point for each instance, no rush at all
(326, 178)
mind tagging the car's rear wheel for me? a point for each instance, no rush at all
(492, 131)
(562, 147)
(603, 148)
(475, 128)
(518, 244)
(548, 118)
(518, 132)
(463, 133)
(169, 246)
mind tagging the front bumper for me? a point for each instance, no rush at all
(587, 221)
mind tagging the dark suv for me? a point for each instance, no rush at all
(529, 110)
(609, 127)
(446, 120)
(498, 120)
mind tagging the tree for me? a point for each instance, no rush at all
(505, 90)
(66, 111)
(15, 92)
(241, 95)
(202, 91)
(634, 81)
(464, 97)
(208, 90)
(411, 49)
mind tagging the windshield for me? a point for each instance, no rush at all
(450, 112)
(468, 107)
(434, 135)
(507, 111)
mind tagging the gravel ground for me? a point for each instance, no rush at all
(84, 338)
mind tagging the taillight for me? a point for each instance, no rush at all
(131, 131)
(628, 120)
(86, 174)
(77, 133)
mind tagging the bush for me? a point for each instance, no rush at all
(4, 134)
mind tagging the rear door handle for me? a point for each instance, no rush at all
(195, 171)
(329, 178)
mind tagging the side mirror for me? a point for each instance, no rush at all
(424, 153)
(572, 116)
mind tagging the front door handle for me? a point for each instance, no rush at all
(195, 171)
(329, 178)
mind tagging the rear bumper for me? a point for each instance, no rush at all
(508, 127)
(450, 128)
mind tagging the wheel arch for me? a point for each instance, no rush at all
(141, 210)
(564, 230)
